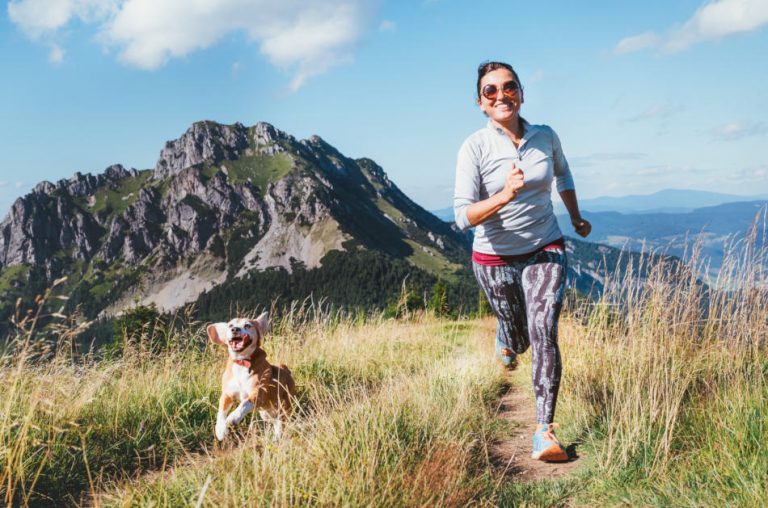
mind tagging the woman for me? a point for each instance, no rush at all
(504, 176)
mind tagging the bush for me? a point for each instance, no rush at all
(142, 326)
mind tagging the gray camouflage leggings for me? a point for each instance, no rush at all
(526, 297)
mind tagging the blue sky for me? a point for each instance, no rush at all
(644, 95)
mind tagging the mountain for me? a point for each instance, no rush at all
(236, 216)
(675, 233)
(222, 200)
(664, 201)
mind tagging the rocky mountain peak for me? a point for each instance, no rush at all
(203, 142)
(221, 202)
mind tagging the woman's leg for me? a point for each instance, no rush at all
(503, 288)
(544, 288)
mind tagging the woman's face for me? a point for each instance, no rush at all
(501, 107)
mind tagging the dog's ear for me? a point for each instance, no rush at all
(217, 333)
(262, 323)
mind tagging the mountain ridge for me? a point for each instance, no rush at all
(235, 210)
(222, 200)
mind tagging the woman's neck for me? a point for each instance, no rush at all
(513, 129)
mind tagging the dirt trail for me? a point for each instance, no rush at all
(511, 457)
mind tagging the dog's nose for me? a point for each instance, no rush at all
(235, 329)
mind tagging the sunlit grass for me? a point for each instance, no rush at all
(664, 390)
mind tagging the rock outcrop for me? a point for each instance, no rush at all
(240, 198)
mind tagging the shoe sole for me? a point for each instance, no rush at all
(553, 453)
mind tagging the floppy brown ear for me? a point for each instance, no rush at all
(217, 332)
(262, 323)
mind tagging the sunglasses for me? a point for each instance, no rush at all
(508, 89)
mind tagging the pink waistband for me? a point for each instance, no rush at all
(497, 260)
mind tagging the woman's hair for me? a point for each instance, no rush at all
(487, 67)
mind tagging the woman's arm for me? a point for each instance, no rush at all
(481, 211)
(580, 224)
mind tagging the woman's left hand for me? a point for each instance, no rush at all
(581, 226)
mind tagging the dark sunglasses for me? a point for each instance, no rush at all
(509, 89)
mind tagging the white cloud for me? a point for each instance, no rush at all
(3, 183)
(39, 18)
(56, 55)
(19, 185)
(732, 131)
(636, 43)
(304, 38)
(714, 20)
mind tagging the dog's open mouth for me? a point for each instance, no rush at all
(238, 343)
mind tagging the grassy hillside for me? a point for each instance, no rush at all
(664, 393)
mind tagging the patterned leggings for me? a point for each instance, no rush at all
(527, 297)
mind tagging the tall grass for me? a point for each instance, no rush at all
(387, 410)
(665, 386)
(667, 378)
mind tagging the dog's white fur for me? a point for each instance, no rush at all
(248, 378)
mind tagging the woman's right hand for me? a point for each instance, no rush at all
(514, 182)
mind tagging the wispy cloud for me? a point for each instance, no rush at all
(598, 158)
(733, 131)
(387, 26)
(636, 43)
(304, 38)
(752, 175)
(537, 76)
(714, 20)
(658, 110)
(56, 55)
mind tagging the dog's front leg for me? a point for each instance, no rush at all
(221, 418)
(239, 413)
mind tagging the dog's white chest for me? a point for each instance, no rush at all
(240, 384)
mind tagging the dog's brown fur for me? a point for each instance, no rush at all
(248, 377)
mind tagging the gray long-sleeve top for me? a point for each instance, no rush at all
(527, 222)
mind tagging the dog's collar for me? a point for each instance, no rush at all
(243, 362)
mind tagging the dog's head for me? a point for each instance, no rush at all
(240, 335)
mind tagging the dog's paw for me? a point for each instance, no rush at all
(221, 430)
(232, 419)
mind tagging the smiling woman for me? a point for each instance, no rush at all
(503, 185)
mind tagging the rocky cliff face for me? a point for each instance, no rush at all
(221, 201)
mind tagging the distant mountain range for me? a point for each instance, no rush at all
(650, 222)
(664, 201)
(713, 228)
(235, 217)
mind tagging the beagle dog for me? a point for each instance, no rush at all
(248, 377)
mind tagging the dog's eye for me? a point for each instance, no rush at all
(247, 325)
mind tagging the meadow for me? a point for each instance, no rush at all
(665, 392)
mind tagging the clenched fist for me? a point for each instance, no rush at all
(514, 182)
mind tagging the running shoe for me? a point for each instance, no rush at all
(546, 446)
(505, 354)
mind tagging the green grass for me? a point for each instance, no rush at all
(116, 201)
(260, 170)
(667, 394)
(432, 261)
(11, 275)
